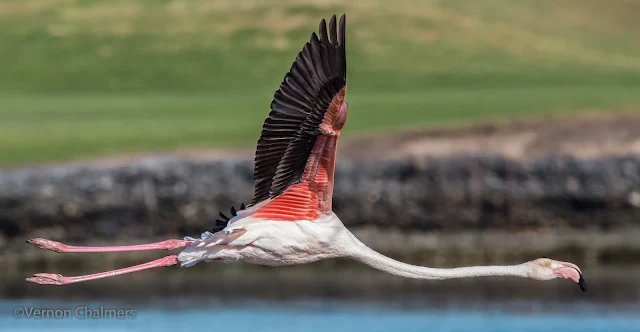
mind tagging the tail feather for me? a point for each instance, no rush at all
(195, 252)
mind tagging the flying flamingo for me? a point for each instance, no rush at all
(290, 220)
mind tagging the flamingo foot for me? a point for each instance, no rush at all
(49, 279)
(48, 244)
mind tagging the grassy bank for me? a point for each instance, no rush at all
(89, 78)
(35, 129)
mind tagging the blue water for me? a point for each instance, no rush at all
(293, 316)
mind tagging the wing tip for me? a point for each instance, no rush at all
(343, 26)
(337, 32)
(329, 47)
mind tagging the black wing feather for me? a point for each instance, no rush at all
(221, 224)
(298, 107)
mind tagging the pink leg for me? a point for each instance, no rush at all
(57, 279)
(61, 247)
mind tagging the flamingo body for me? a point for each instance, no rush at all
(270, 242)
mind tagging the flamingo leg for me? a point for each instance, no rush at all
(57, 279)
(61, 247)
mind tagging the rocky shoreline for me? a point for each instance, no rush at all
(159, 197)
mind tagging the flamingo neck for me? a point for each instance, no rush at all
(381, 262)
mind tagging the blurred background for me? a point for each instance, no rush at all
(480, 132)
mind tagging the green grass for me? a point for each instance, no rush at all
(90, 78)
(62, 127)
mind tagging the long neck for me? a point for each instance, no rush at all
(378, 261)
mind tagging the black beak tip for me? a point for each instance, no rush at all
(582, 283)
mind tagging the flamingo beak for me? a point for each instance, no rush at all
(582, 283)
(570, 272)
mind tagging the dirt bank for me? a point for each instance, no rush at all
(584, 136)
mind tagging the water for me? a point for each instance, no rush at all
(229, 298)
(312, 315)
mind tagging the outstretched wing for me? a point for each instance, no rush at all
(295, 156)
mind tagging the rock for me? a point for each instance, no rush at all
(162, 196)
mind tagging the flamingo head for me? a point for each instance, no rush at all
(547, 269)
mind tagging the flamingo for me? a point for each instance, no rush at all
(290, 219)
